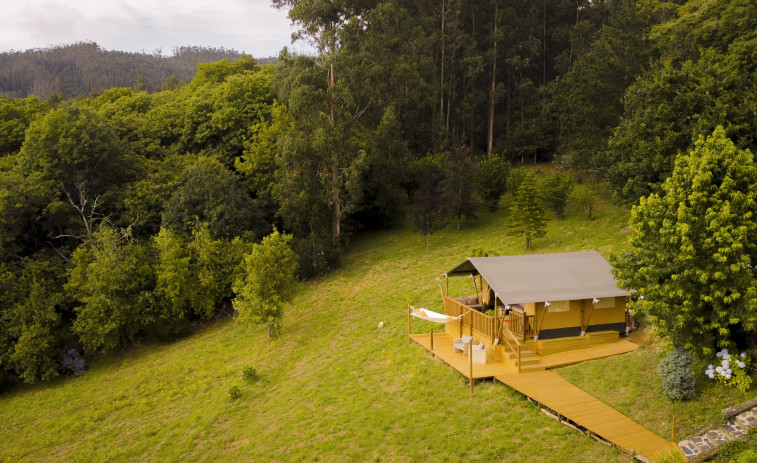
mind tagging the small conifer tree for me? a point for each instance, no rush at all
(527, 214)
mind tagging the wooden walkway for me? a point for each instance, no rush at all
(552, 391)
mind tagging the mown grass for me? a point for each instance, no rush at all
(333, 387)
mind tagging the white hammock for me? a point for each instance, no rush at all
(433, 316)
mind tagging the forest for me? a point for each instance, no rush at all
(77, 70)
(127, 213)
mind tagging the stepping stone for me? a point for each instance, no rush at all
(702, 443)
(689, 449)
(747, 419)
(717, 436)
(734, 429)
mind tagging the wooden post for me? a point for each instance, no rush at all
(519, 362)
(446, 279)
(470, 313)
(673, 437)
(470, 363)
(432, 338)
(409, 339)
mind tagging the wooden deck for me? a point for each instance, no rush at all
(547, 388)
(553, 391)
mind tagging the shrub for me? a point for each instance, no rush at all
(71, 362)
(249, 373)
(677, 376)
(584, 196)
(732, 449)
(731, 370)
(234, 392)
(555, 190)
(747, 456)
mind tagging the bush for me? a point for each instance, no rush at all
(234, 392)
(731, 370)
(554, 191)
(732, 449)
(584, 196)
(73, 363)
(677, 376)
(492, 178)
(249, 373)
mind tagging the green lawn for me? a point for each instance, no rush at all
(335, 387)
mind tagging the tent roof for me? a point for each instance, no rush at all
(544, 277)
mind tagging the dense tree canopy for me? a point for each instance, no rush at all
(694, 248)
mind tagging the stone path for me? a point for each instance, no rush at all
(734, 429)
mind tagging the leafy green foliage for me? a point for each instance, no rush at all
(249, 373)
(111, 280)
(555, 190)
(30, 320)
(527, 214)
(492, 178)
(694, 248)
(584, 196)
(234, 392)
(677, 377)
(211, 194)
(428, 210)
(460, 188)
(702, 80)
(267, 283)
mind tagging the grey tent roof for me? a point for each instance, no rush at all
(544, 277)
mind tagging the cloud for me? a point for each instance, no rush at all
(252, 26)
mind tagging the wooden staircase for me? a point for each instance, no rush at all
(528, 360)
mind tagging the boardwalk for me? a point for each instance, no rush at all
(552, 391)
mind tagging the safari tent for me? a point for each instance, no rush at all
(557, 301)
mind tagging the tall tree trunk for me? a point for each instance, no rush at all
(336, 206)
(490, 137)
(441, 81)
(544, 43)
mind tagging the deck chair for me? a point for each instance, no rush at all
(463, 344)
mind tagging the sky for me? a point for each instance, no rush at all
(250, 26)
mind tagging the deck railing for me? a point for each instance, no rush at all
(484, 324)
(479, 321)
(521, 324)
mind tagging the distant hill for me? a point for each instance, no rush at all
(82, 68)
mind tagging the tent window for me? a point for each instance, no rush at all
(559, 306)
(605, 303)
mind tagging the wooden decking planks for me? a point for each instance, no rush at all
(590, 353)
(444, 348)
(556, 393)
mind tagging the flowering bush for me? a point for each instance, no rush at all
(234, 391)
(72, 362)
(732, 370)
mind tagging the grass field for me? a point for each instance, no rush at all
(334, 387)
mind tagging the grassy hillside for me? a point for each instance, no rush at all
(334, 387)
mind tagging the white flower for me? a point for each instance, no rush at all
(727, 376)
(711, 375)
(729, 371)
(726, 356)
(709, 367)
(743, 355)
(725, 363)
(719, 369)
(719, 354)
(740, 364)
